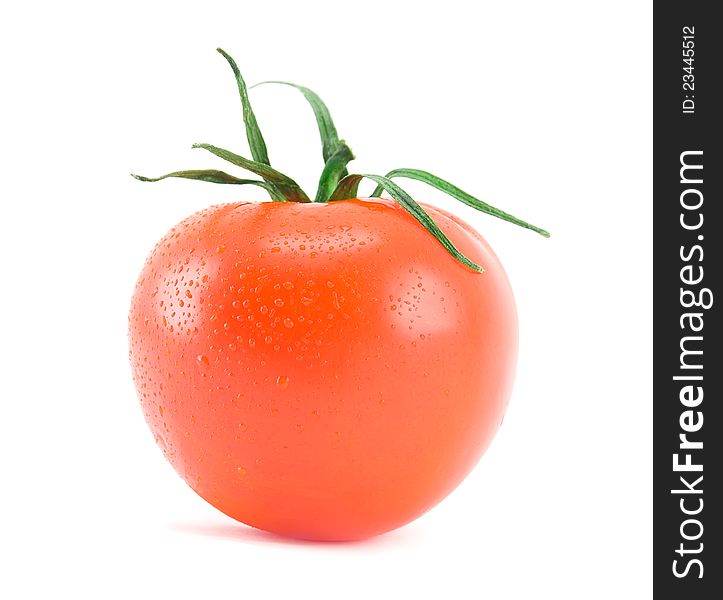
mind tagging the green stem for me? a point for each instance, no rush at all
(253, 133)
(334, 170)
(214, 176)
(458, 194)
(286, 186)
(347, 189)
(324, 122)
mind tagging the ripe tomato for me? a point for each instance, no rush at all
(324, 371)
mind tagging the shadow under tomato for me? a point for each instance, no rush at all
(238, 532)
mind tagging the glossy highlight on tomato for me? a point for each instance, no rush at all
(322, 371)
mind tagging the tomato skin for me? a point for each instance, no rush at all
(322, 371)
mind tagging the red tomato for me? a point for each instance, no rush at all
(324, 371)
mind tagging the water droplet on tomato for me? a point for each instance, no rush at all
(279, 302)
(202, 359)
(221, 249)
(241, 471)
(282, 381)
(288, 323)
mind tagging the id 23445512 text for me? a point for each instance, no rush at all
(688, 70)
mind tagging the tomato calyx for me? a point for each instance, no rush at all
(334, 170)
(335, 182)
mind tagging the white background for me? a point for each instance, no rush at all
(542, 108)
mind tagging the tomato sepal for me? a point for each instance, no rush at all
(215, 176)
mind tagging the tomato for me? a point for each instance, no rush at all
(324, 371)
(323, 367)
